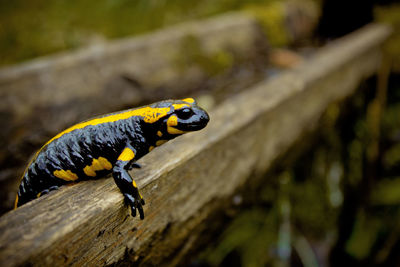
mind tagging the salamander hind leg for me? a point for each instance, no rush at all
(125, 183)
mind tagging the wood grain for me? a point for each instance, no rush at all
(189, 178)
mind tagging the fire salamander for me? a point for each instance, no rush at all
(109, 144)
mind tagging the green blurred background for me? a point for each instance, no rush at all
(52, 26)
(337, 203)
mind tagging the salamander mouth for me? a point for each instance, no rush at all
(196, 122)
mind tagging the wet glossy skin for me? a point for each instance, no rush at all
(109, 144)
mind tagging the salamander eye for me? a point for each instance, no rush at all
(185, 113)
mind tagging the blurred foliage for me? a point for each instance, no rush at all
(272, 19)
(364, 234)
(387, 192)
(391, 15)
(195, 55)
(30, 29)
(341, 206)
(250, 236)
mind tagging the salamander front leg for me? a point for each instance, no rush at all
(125, 183)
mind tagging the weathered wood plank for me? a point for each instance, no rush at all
(188, 178)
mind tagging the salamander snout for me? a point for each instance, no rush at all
(197, 121)
(191, 118)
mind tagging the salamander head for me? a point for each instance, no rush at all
(182, 116)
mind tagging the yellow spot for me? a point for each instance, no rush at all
(172, 130)
(16, 202)
(171, 122)
(189, 100)
(134, 185)
(126, 155)
(97, 165)
(151, 148)
(149, 115)
(38, 195)
(160, 142)
(65, 175)
(179, 106)
(89, 171)
(159, 134)
(105, 163)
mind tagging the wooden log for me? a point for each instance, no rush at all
(189, 178)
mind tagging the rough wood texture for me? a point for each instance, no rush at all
(187, 179)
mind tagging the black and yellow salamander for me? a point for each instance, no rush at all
(109, 144)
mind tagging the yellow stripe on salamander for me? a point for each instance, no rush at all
(126, 155)
(189, 100)
(16, 202)
(179, 106)
(149, 114)
(171, 122)
(66, 175)
(161, 142)
(97, 165)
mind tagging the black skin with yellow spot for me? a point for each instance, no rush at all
(74, 150)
